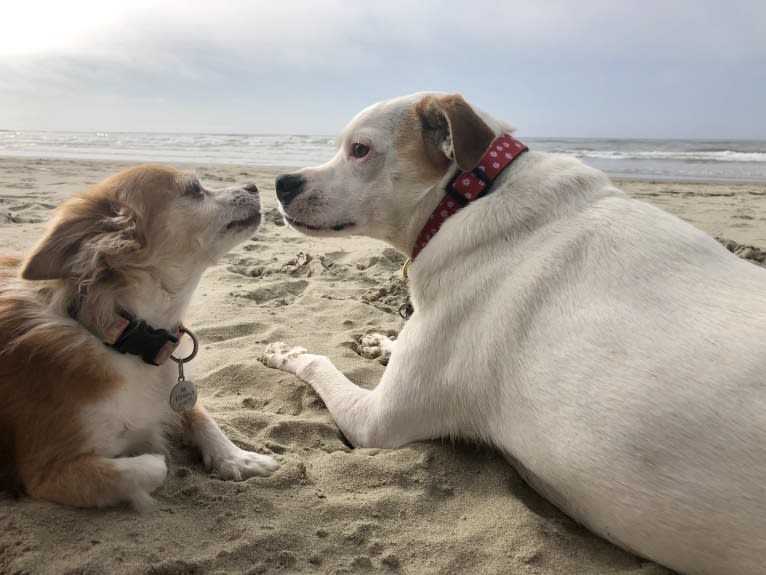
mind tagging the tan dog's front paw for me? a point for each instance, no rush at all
(142, 475)
(237, 464)
(376, 346)
(279, 355)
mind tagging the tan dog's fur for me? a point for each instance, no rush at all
(81, 424)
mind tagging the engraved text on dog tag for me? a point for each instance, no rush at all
(183, 396)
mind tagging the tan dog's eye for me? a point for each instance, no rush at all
(194, 189)
(359, 150)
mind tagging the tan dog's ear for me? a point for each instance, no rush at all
(451, 124)
(85, 231)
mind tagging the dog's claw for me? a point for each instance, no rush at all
(376, 346)
(239, 465)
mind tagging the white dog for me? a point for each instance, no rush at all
(616, 354)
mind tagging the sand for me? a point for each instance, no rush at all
(430, 507)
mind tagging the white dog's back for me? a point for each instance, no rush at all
(623, 350)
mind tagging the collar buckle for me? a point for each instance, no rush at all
(152, 345)
(126, 334)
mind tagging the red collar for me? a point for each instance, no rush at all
(467, 187)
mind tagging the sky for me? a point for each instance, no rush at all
(558, 68)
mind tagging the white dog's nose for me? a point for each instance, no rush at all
(289, 186)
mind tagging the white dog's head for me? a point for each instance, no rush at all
(389, 158)
(141, 228)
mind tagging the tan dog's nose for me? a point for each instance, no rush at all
(289, 186)
(252, 188)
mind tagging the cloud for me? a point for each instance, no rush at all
(334, 33)
(306, 65)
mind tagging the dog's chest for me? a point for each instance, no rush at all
(133, 417)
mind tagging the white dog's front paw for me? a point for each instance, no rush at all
(237, 464)
(376, 346)
(279, 355)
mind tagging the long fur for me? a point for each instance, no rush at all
(81, 424)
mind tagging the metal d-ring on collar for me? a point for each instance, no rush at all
(180, 361)
(406, 268)
(183, 396)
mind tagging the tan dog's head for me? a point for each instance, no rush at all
(145, 223)
(389, 157)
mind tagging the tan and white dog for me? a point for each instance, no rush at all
(614, 353)
(82, 423)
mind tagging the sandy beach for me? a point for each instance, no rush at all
(430, 507)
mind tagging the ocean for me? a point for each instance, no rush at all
(716, 160)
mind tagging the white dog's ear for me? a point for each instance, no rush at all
(451, 124)
(87, 234)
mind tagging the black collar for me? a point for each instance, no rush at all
(125, 333)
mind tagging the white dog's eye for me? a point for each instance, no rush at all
(359, 150)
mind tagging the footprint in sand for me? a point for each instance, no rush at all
(232, 331)
(301, 265)
(307, 434)
(283, 293)
(749, 253)
(38, 205)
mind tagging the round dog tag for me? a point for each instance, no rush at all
(183, 396)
